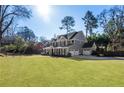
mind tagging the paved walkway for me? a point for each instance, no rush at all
(100, 58)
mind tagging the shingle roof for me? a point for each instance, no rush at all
(69, 35)
(73, 35)
(88, 45)
(53, 39)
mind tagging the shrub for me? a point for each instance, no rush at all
(94, 53)
(56, 55)
(69, 55)
(29, 50)
(22, 48)
(112, 53)
(9, 48)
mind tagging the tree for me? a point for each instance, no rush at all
(20, 44)
(92, 38)
(90, 22)
(10, 12)
(67, 23)
(26, 33)
(42, 39)
(99, 39)
(112, 22)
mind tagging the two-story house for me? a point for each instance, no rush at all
(70, 43)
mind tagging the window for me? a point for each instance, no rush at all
(64, 43)
(68, 42)
(56, 43)
(72, 41)
(76, 49)
(122, 44)
(60, 43)
(52, 43)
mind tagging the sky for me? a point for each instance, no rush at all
(46, 20)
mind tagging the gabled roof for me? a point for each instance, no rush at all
(73, 35)
(53, 39)
(88, 45)
(69, 35)
(38, 43)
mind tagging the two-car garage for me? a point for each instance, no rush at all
(74, 52)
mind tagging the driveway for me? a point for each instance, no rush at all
(100, 58)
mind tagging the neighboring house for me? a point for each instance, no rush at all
(88, 48)
(46, 43)
(64, 45)
(39, 46)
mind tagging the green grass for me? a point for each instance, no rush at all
(47, 71)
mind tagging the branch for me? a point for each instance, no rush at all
(8, 25)
(5, 10)
(13, 13)
(6, 16)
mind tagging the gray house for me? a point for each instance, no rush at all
(70, 43)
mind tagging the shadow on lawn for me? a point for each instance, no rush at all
(81, 58)
(76, 58)
(96, 58)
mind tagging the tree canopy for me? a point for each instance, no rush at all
(67, 23)
(112, 22)
(90, 22)
(26, 33)
(10, 12)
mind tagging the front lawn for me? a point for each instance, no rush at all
(50, 71)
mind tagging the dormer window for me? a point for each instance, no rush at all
(64, 43)
(54, 43)
(72, 41)
(122, 44)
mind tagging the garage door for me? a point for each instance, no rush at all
(74, 53)
(87, 52)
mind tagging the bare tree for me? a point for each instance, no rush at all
(112, 22)
(10, 12)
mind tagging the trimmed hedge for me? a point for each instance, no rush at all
(110, 53)
(116, 53)
(69, 55)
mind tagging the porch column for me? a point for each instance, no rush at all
(60, 51)
(55, 51)
(67, 51)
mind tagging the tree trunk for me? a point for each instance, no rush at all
(0, 42)
(86, 33)
(0, 27)
(67, 35)
(105, 47)
(91, 32)
(0, 35)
